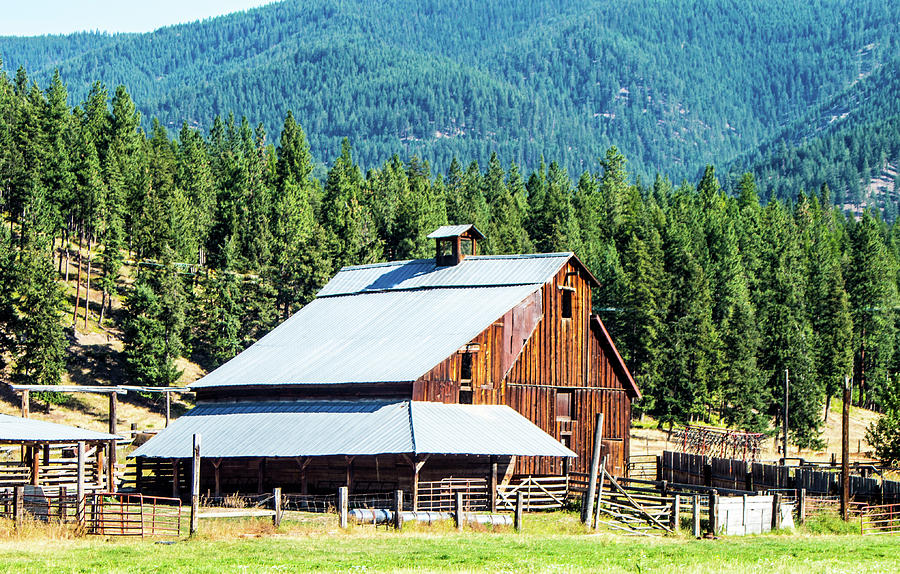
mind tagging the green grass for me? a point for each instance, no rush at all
(551, 543)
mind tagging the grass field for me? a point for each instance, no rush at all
(553, 543)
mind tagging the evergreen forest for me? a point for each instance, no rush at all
(674, 84)
(711, 290)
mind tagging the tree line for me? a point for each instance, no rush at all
(211, 239)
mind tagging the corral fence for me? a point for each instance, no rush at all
(642, 466)
(880, 519)
(439, 495)
(103, 513)
(539, 493)
(118, 514)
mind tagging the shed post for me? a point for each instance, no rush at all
(79, 486)
(168, 406)
(695, 516)
(458, 510)
(398, 509)
(343, 502)
(138, 473)
(587, 513)
(493, 485)
(26, 403)
(35, 464)
(99, 467)
(176, 490)
(63, 506)
(111, 466)
(276, 518)
(520, 505)
(195, 484)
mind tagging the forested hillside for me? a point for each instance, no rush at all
(213, 237)
(851, 142)
(674, 84)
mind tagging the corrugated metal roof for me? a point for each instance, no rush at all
(323, 428)
(474, 271)
(389, 336)
(453, 231)
(17, 429)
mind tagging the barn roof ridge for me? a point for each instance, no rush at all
(399, 262)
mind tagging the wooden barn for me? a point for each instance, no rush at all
(487, 341)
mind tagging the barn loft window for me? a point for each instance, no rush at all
(465, 367)
(565, 405)
(567, 293)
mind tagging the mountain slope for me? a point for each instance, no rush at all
(674, 84)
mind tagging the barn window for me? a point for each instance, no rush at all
(466, 247)
(465, 367)
(465, 395)
(566, 303)
(565, 405)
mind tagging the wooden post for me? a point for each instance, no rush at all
(343, 503)
(707, 474)
(168, 407)
(216, 464)
(111, 466)
(260, 474)
(745, 512)
(176, 487)
(659, 468)
(195, 485)
(602, 476)
(845, 452)
(398, 509)
(99, 469)
(276, 518)
(26, 404)
(748, 479)
(801, 506)
(458, 510)
(63, 504)
(35, 465)
(138, 473)
(493, 485)
(587, 513)
(18, 504)
(676, 513)
(79, 487)
(113, 404)
(776, 511)
(520, 506)
(695, 516)
(713, 510)
(349, 480)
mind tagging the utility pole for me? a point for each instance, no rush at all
(786, 394)
(845, 452)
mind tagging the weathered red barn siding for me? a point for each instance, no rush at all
(561, 354)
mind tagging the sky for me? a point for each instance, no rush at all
(37, 17)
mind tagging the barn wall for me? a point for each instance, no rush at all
(561, 354)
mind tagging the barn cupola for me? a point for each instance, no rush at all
(454, 243)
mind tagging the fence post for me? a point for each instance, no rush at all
(587, 513)
(676, 513)
(695, 518)
(801, 506)
(707, 474)
(659, 468)
(776, 511)
(595, 523)
(748, 480)
(18, 504)
(520, 506)
(713, 510)
(398, 510)
(195, 485)
(458, 510)
(276, 518)
(343, 503)
(63, 511)
(79, 487)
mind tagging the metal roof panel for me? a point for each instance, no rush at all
(328, 428)
(383, 337)
(17, 429)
